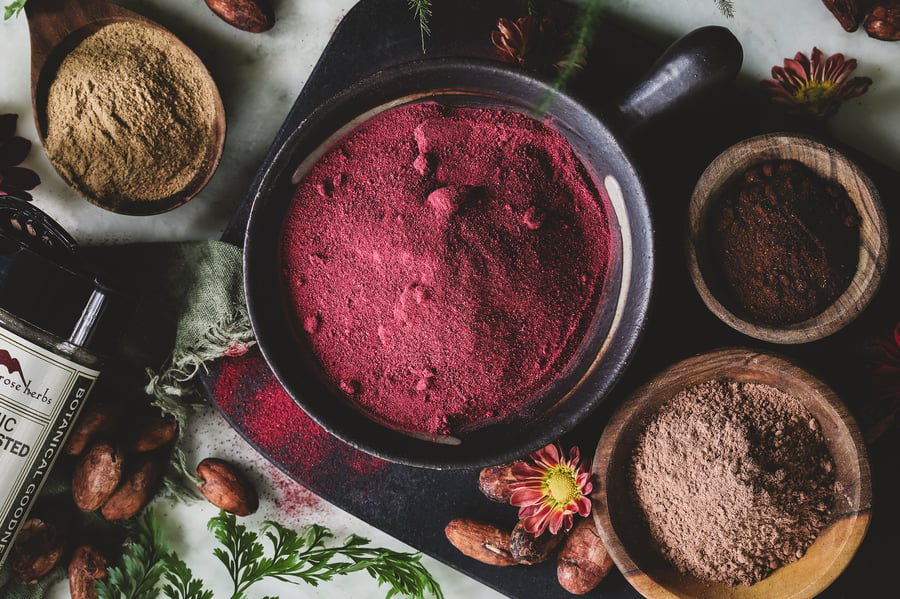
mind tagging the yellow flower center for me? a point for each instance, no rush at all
(561, 485)
(813, 92)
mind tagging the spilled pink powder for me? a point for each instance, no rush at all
(444, 263)
(250, 396)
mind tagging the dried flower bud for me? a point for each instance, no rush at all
(847, 12)
(883, 21)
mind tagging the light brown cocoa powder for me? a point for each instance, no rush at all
(733, 480)
(130, 115)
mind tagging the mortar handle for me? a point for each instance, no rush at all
(703, 61)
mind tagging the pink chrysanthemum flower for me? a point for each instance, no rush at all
(815, 85)
(551, 490)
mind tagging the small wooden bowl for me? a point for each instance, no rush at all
(827, 163)
(619, 523)
(57, 27)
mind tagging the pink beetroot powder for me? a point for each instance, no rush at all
(445, 263)
(257, 405)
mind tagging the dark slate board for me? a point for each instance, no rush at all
(414, 504)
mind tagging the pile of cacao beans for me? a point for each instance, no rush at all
(880, 18)
(116, 455)
(582, 560)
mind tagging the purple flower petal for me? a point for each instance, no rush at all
(584, 506)
(8, 125)
(557, 519)
(13, 150)
(856, 87)
(526, 496)
(19, 178)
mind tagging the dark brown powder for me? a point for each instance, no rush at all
(787, 241)
(734, 480)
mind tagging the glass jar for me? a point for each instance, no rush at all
(57, 320)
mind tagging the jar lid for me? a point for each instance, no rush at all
(43, 283)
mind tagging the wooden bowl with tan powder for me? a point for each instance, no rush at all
(129, 116)
(621, 521)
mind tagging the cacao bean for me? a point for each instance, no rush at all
(494, 482)
(38, 547)
(528, 549)
(882, 22)
(254, 16)
(583, 560)
(136, 489)
(98, 418)
(225, 488)
(479, 540)
(87, 566)
(96, 476)
(153, 433)
(847, 12)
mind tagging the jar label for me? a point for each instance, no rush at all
(41, 394)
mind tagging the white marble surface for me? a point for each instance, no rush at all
(259, 77)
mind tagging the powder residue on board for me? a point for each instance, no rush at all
(445, 263)
(251, 397)
(733, 480)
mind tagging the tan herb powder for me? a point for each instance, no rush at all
(130, 115)
(733, 480)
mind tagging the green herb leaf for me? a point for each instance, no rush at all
(182, 584)
(727, 7)
(149, 570)
(304, 557)
(422, 11)
(587, 18)
(13, 9)
(142, 566)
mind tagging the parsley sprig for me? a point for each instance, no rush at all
(142, 565)
(304, 556)
(13, 9)
(150, 570)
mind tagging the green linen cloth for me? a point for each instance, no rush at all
(189, 296)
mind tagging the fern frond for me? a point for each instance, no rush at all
(727, 7)
(584, 33)
(422, 11)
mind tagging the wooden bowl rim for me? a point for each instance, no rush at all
(874, 242)
(837, 543)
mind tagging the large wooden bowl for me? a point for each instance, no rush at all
(828, 163)
(619, 522)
